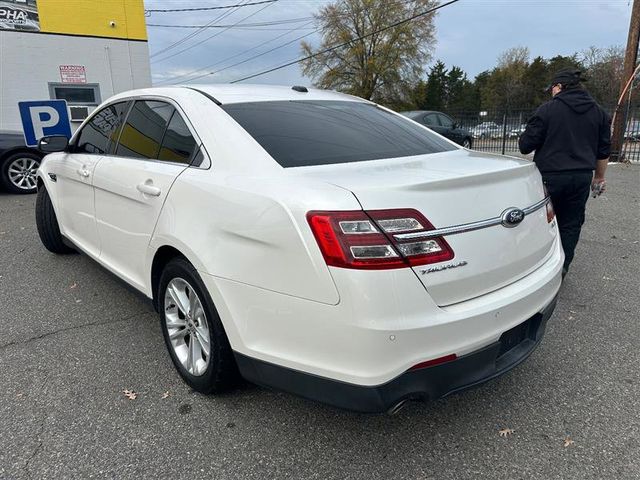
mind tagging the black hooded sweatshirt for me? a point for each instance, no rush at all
(569, 132)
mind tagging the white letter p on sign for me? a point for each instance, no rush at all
(43, 117)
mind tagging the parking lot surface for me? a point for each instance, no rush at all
(73, 338)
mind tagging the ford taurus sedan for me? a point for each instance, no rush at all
(308, 241)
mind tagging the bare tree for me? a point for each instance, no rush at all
(382, 66)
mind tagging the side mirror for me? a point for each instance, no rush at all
(53, 143)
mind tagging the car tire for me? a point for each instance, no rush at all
(18, 172)
(186, 321)
(47, 224)
(466, 143)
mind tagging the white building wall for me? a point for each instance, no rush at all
(30, 61)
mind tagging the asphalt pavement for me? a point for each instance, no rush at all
(73, 338)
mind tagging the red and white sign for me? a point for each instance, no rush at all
(73, 74)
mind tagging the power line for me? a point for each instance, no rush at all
(258, 24)
(291, 30)
(215, 34)
(252, 58)
(191, 35)
(200, 9)
(330, 49)
(178, 78)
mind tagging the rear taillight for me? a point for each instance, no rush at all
(365, 239)
(551, 214)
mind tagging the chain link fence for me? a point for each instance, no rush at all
(498, 132)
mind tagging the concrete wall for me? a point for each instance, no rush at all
(30, 61)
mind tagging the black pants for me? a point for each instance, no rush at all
(569, 193)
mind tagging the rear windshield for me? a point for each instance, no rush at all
(306, 133)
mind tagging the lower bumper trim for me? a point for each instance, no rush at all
(431, 383)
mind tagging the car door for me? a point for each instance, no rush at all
(447, 125)
(132, 182)
(74, 172)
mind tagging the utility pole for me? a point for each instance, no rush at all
(630, 59)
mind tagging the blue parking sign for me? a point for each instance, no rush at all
(45, 117)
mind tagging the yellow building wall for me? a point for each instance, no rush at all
(94, 17)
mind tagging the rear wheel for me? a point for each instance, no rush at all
(192, 330)
(18, 173)
(47, 224)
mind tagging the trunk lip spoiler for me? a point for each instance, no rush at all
(469, 227)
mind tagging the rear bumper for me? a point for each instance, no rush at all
(424, 384)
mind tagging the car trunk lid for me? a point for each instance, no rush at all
(452, 189)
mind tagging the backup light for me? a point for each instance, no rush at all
(361, 239)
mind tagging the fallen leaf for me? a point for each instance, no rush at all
(165, 394)
(73, 285)
(607, 278)
(568, 442)
(78, 301)
(505, 432)
(130, 394)
(19, 394)
(570, 317)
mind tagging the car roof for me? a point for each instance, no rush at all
(232, 93)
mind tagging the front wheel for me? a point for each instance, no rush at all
(192, 330)
(47, 224)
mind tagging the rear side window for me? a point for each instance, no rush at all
(178, 144)
(431, 120)
(142, 134)
(306, 133)
(102, 130)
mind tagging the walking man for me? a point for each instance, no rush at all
(571, 136)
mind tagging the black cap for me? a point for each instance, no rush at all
(567, 77)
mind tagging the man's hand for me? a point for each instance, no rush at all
(598, 186)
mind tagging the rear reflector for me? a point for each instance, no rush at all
(434, 362)
(363, 239)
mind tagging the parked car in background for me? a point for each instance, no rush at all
(18, 163)
(442, 124)
(632, 131)
(487, 130)
(312, 241)
(516, 132)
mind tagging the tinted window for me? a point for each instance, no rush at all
(306, 133)
(178, 145)
(76, 94)
(431, 120)
(142, 134)
(445, 121)
(102, 130)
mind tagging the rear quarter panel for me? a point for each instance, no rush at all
(251, 230)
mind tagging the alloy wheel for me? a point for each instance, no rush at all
(187, 326)
(22, 173)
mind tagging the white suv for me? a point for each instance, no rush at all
(311, 241)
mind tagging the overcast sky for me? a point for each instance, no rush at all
(470, 34)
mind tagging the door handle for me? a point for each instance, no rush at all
(83, 172)
(149, 189)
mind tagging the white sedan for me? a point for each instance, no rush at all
(308, 241)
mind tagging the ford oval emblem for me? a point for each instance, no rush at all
(512, 217)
